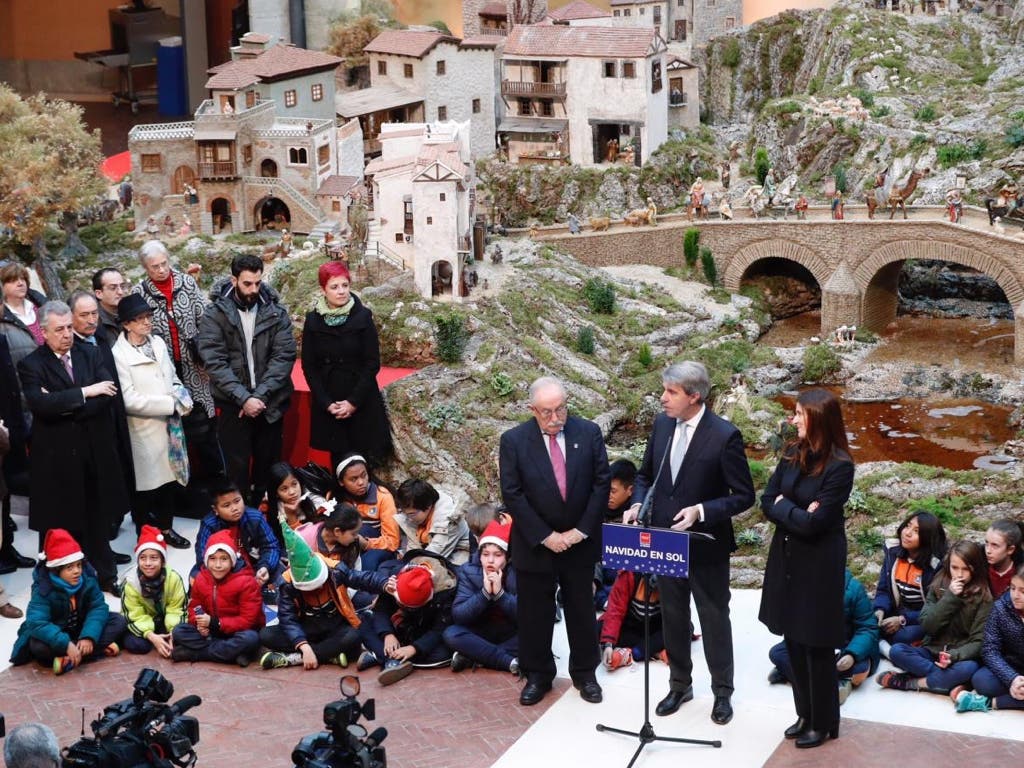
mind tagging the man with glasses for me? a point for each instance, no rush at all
(109, 286)
(554, 482)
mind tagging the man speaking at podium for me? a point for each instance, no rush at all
(696, 464)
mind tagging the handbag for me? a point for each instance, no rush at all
(177, 449)
(315, 478)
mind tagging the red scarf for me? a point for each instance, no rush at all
(166, 287)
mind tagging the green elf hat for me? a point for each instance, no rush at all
(309, 572)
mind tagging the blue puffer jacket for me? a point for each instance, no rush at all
(472, 605)
(1002, 650)
(49, 617)
(259, 544)
(861, 625)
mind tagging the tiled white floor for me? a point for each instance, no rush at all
(568, 729)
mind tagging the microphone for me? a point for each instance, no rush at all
(374, 739)
(646, 509)
(181, 706)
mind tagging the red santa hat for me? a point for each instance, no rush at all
(221, 541)
(497, 534)
(414, 586)
(151, 538)
(60, 548)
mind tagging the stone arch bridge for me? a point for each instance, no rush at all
(856, 263)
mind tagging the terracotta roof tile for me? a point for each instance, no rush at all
(273, 64)
(494, 9)
(633, 2)
(254, 37)
(557, 40)
(482, 41)
(578, 9)
(407, 42)
(337, 186)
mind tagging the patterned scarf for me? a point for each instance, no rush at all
(152, 589)
(333, 316)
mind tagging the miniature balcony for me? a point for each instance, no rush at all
(525, 89)
(217, 170)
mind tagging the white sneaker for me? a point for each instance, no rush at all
(883, 647)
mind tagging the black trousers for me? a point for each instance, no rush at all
(201, 437)
(815, 684)
(535, 614)
(157, 507)
(327, 638)
(245, 441)
(709, 583)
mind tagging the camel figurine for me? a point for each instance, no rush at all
(898, 197)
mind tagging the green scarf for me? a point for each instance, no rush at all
(334, 316)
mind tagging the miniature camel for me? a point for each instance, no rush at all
(898, 197)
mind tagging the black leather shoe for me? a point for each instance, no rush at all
(810, 739)
(673, 702)
(121, 559)
(10, 556)
(797, 729)
(532, 693)
(590, 692)
(175, 539)
(721, 713)
(7, 567)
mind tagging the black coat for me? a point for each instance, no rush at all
(341, 363)
(70, 436)
(530, 493)
(805, 578)
(15, 463)
(714, 473)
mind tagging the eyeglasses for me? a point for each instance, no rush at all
(117, 287)
(547, 413)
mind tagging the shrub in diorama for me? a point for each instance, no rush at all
(691, 246)
(600, 296)
(450, 336)
(707, 262)
(762, 164)
(585, 340)
(820, 362)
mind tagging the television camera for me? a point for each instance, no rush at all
(141, 731)
(346, 743)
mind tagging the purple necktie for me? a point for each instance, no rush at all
(66, 359)
(558, 464)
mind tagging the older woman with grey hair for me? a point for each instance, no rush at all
(178, 305)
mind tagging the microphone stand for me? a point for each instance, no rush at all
(646, 734)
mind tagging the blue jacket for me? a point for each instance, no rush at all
(420, 627)
(1002, 649)
(49, 618)
(861, 625)
(887, 597)
(259, 544)
(472, 606)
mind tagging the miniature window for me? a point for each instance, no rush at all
(547, 108)
(151, 163)
(730, 22)
(619, 13)
(297, 156)
(524, 107)
(382, 67)
(476, 106)
(712, 3)
(399, 237)
(627, 12)
(642, 10)
(609, 68)
(247, 153)
(680, 3)
(335, 206)
(323, 154)
(430, 219)
(629, 69)
(655, 75)
(440, 67)
(442, 114)
(317, 91)
(657, 14)
(290, 98)
(442, 197)
(408, 70)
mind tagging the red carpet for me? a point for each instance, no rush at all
(296, 421)
(116, 166)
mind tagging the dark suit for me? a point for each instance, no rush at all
(714, 473)
(531, 495)
(74, 470)
(805, 581)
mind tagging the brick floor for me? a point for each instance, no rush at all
(865, 744)
(255, 717)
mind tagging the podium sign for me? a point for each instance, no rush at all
(660, 551)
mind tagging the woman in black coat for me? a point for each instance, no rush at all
(802, 595)
(340, 359)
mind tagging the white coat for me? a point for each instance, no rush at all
(146, 387)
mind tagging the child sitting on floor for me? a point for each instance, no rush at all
(484, 629)
(225, 611)
(430, 520)
(953, 620)
(1000, 683)
(152, 597)
(858, 659)
(289, 503)
(67, 621)
(406, 628)
(1004, 554)
(619, 494)
(621, 629)
(336, 538)
(379, 536)
(317, 622)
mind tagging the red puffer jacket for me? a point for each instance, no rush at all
(233, 604)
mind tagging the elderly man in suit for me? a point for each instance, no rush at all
(554, 481)
(698, 470)
(74, 471)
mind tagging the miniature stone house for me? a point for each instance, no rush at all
(572, 93)
(496, 17)
(258, 150)
(423, 191)
(683, 92)
(419, 75)
(580, 13)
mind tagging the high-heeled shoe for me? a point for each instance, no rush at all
(797, 729)
(810, 739)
